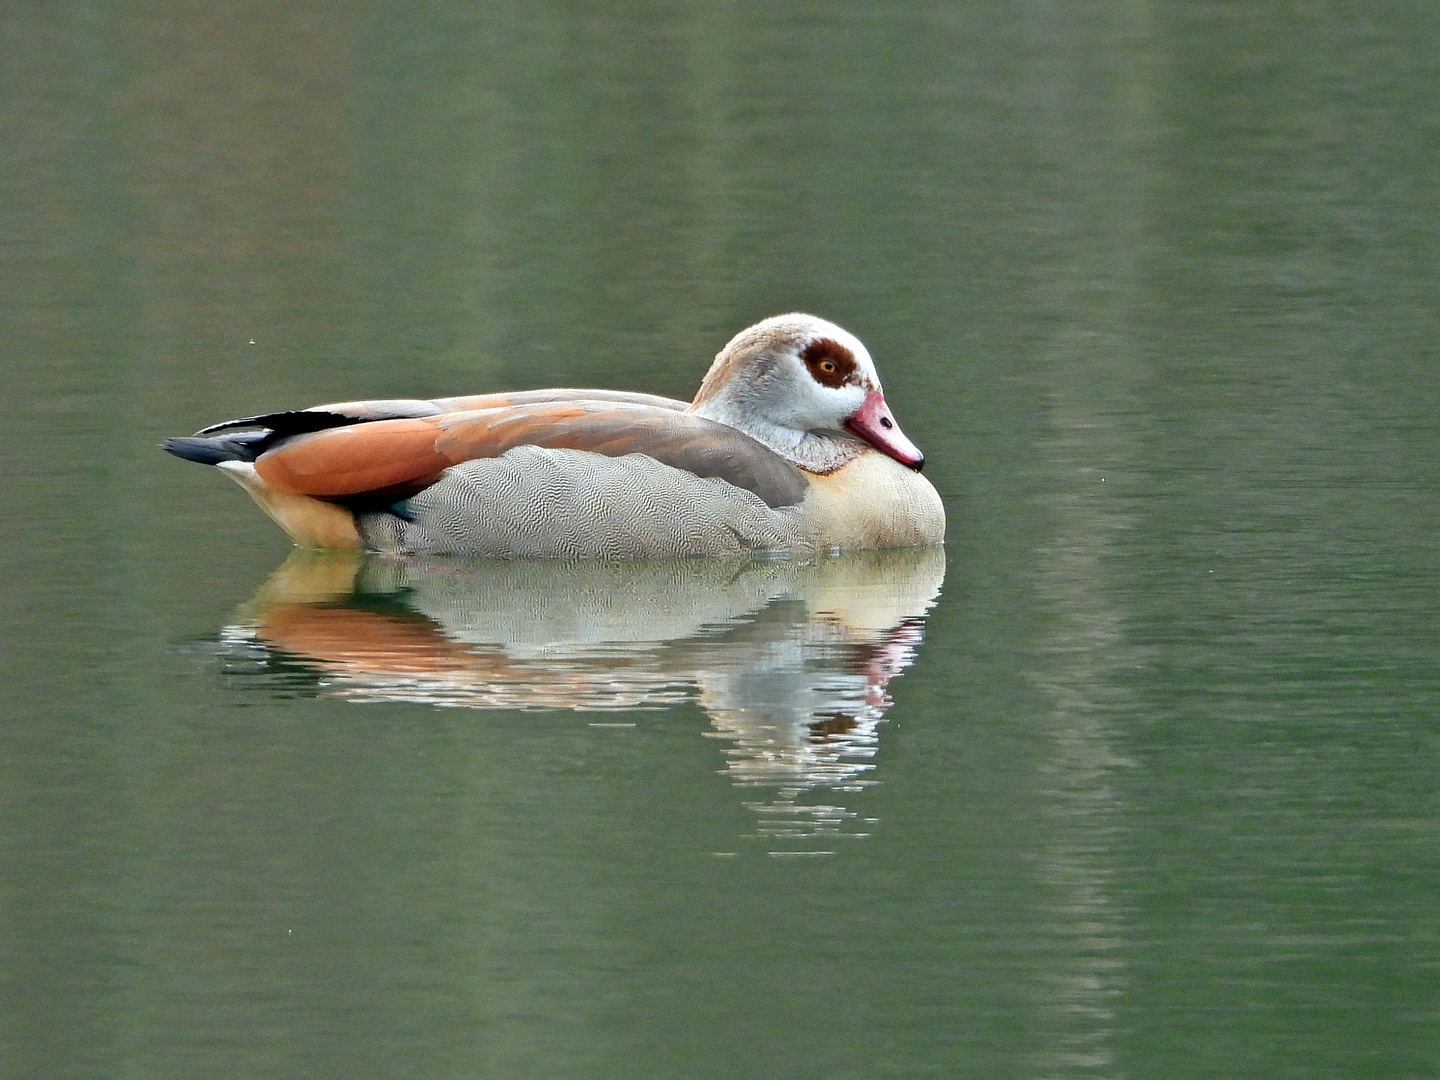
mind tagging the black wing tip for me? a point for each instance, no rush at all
(283, 424)
(246, 446)
(250, 436)
(203, 451)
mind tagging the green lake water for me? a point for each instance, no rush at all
(1139, 777)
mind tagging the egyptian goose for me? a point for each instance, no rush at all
(788, 445)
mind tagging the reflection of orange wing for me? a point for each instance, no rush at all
(371, 642)
(399, 457)
(395, 656)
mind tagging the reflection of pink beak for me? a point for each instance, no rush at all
(873, 423)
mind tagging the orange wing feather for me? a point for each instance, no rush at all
(384, 456)
(395, 458)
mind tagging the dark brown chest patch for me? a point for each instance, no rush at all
(829, 363)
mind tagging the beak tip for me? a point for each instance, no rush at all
(873, 423)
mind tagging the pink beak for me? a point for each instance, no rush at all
(873, 423)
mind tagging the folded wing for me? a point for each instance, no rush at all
(393, 458)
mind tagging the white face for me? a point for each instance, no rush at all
(786, 376)
(829, 373)
(791, 380)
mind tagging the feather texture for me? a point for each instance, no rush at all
(401, 457)
(789, 444)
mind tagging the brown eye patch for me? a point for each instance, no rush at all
(829, 362)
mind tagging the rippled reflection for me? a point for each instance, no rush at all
(790, 659)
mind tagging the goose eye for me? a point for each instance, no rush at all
(829, 363)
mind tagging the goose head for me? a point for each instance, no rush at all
(808, 390)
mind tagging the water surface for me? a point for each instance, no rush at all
(1149, 791)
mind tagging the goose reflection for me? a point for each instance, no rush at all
(790, 659)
